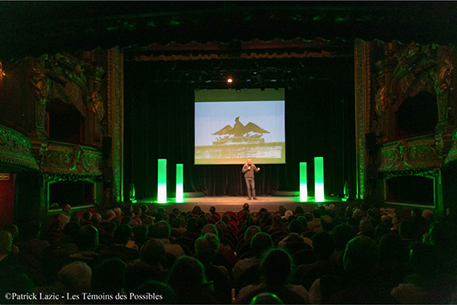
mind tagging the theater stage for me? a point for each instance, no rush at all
(235, 203)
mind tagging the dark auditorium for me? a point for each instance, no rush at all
(228, 152)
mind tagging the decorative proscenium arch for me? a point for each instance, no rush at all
(386, 75)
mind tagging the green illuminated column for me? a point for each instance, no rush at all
(179, 183)
(303, 183)
(319, 179)
(162, 181)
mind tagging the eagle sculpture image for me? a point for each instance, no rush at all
(239, 131)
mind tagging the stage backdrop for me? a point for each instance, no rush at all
(159, 123)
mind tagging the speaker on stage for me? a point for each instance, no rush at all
(370, 142)
(106, 147)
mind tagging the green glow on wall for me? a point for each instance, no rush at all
(303, 183)
(162, 181)
(319, 179)
(179, 183)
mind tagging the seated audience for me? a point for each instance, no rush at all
(148, 267)
(30, 242)
(276, 269)
(314, 224)
(6, 247)
(87, 242)
(295, 234)
(282, 210)
(64, 217)
(108, 276)
(430, 283)
(323, 248)
(277, 224)
(260, 244)
(358, 282)
(187, 279)
(75, 277)
(161, 231)
(245, 244)
(122, 236)
(393, 261)
(206, 248)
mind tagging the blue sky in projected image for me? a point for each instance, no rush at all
(213, 116)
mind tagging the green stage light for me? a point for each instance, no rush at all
(162, 181)
(179, 183)
(303, 183)
(319, 179)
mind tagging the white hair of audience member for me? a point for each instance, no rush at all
(287, 214)
(75, 277)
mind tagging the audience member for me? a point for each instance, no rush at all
(87, 241)
(161, 231)
(6, 246)
(64, 217)
(212, 210)
(323, 248)
(276, 269)
(277, 224)
(357, 283)
(122, 236)
(187, 279)
(314, 224)
(295, 234)
(260, 244)
(206, 248)
(108, 276)
(430, 283)
(148, 267)
(75, 277)
(326, 225)
(282, 210)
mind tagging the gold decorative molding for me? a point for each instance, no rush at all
(71, 161)
(362, 68)
(252, 55)
(41, 87)
(15, 149)
(416, 154)
(116, 118)
(452, 154)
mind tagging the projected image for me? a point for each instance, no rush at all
(239, 131)
(229, 132)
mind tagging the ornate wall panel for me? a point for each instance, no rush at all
(409, 156)
(15, 149)
(66, 161)
(116, 118)
(452, 154)
(362, 69)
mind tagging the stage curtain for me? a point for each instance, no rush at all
(159, 123)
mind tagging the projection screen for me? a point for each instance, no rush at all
(232, 126)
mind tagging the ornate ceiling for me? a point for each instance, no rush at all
(35, 28)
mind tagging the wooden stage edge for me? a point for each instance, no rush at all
(235, 203)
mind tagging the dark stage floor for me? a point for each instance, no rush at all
(235, 203)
